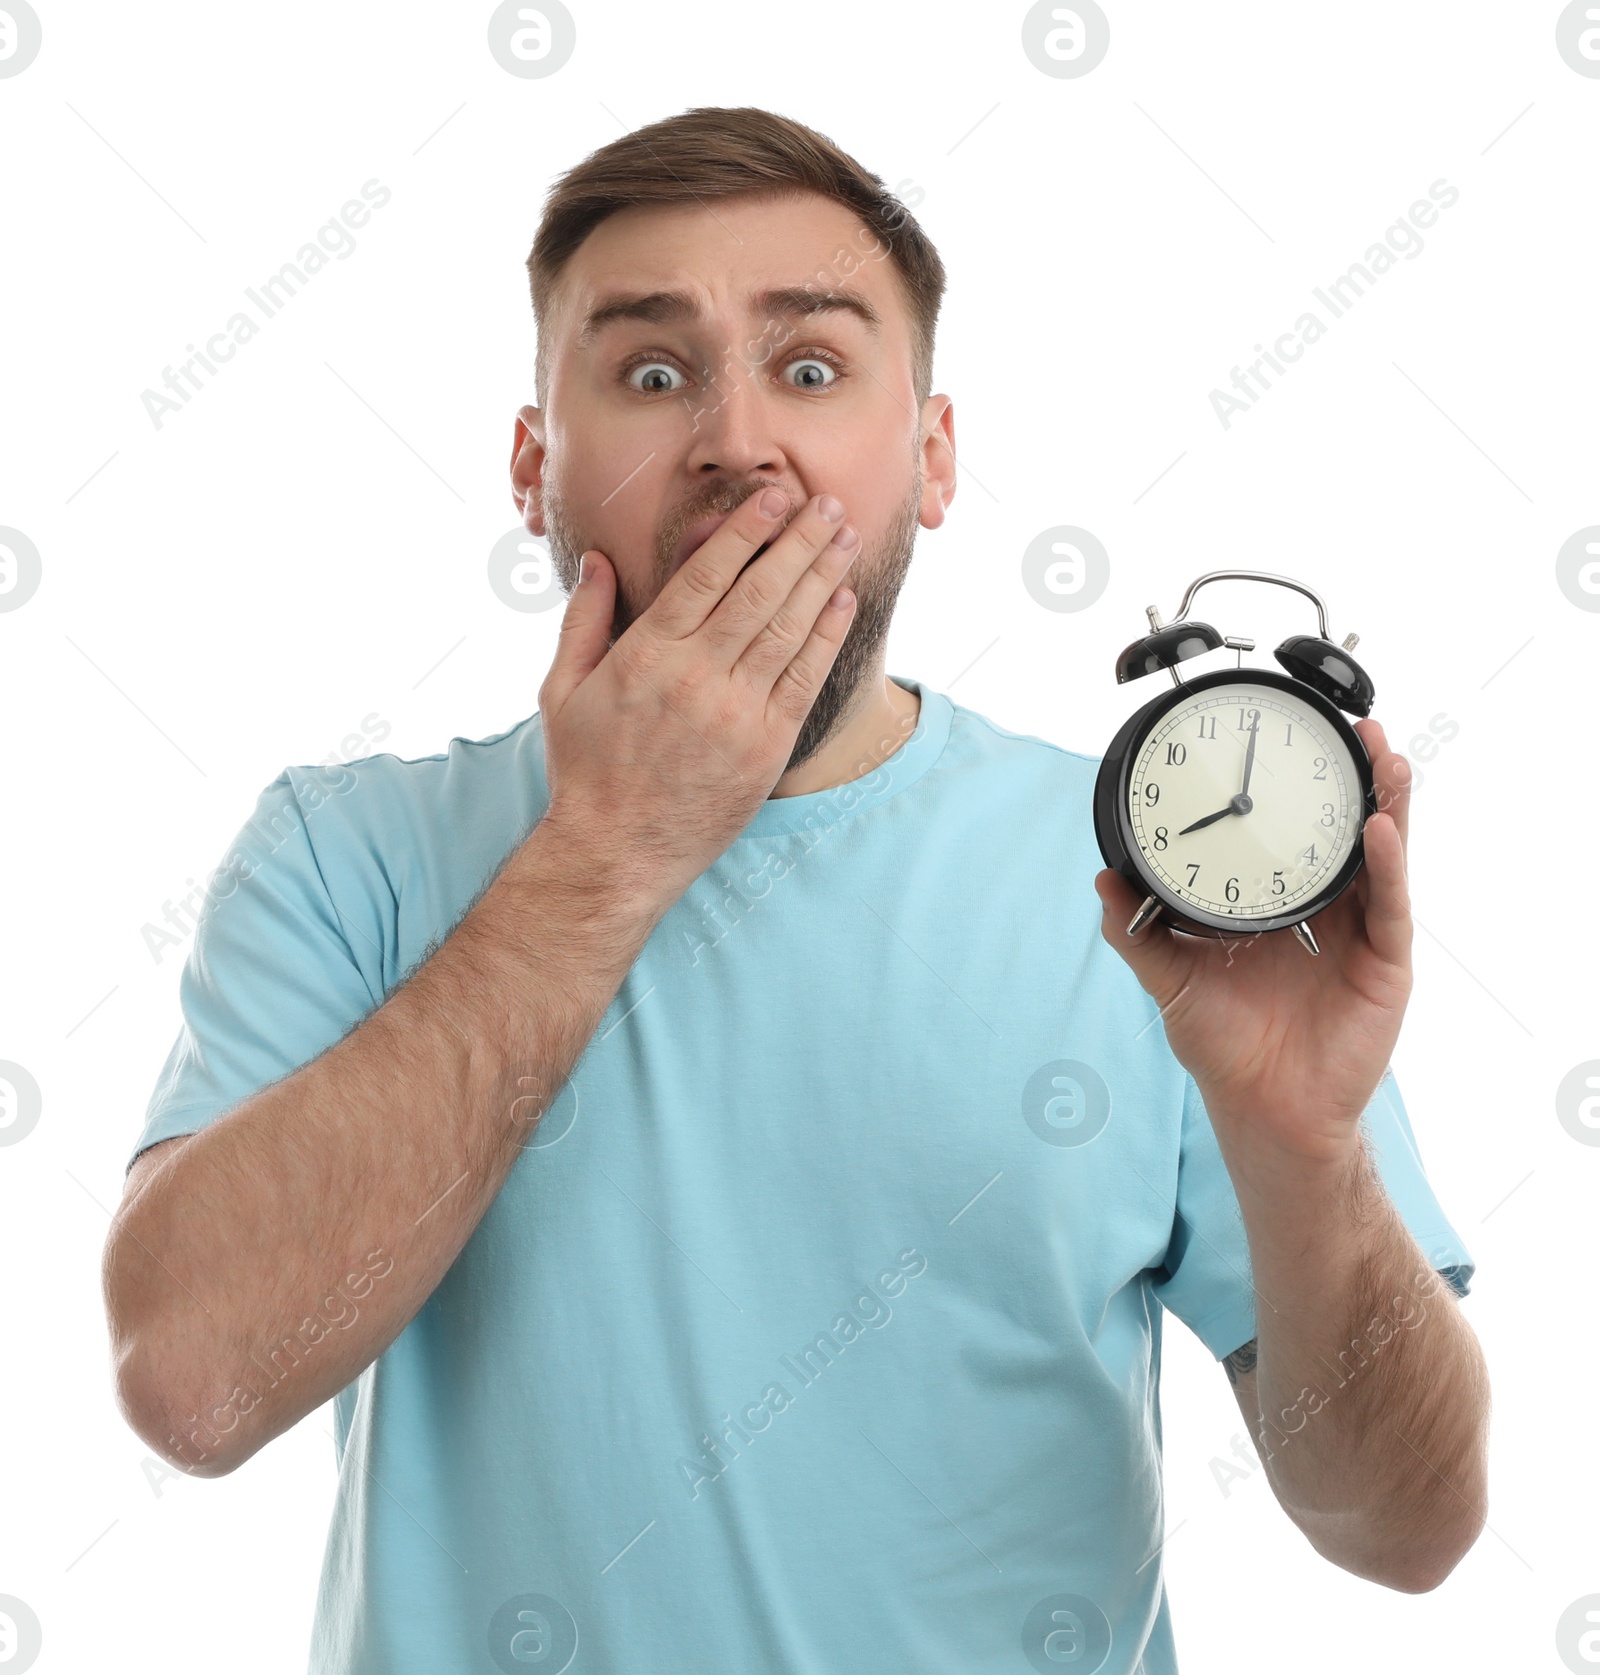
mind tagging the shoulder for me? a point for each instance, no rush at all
(989, 736)
(369, 824)
(468, 779)
(978, 743)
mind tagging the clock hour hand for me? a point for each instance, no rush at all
(1240, 804)
(1220, 814)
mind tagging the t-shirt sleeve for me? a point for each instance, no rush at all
(270, 981)
(1205, 1279)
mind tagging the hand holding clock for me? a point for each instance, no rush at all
(1287, 1051)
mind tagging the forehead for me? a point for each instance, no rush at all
(725, 254)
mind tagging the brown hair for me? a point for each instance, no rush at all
(709, 153)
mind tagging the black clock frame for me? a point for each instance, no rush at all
(1113, 828)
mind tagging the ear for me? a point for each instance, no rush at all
(938, 426)
(527, 468)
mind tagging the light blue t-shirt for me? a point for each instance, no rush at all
(816, 1327)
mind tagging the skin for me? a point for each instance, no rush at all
(731, 399)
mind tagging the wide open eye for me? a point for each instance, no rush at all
(655, 378)
(809, 373)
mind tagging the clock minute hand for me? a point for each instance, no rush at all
(1249, 758)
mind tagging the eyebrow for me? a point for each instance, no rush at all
(664, 308)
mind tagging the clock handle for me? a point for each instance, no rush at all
(1253, 576)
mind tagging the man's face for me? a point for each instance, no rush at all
(698, 354)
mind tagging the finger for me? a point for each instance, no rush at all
(695, 590)
(765, 658)
(1153, 955)
(585, 631)
(1391, 776)
(1388, 903)
(760, 592)
(797, 686)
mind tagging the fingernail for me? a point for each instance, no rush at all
(845, 539)
(832, 509)
(585, 569)
(771, 504)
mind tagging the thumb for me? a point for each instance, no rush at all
(585, 629)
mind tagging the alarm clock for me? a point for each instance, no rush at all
(1236, 801)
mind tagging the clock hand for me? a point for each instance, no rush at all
(1208, 819)
(1240, 804)
(1249, 758)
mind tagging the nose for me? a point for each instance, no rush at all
(735, 427)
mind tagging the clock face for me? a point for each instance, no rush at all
(1244, 801)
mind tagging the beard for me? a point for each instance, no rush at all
(875, 578)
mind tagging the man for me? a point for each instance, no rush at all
(707, 1140)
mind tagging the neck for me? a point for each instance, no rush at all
(871, 733)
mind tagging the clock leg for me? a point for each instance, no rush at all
(1148, 909)
(1306, 940)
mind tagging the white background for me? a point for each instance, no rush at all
(305, 544)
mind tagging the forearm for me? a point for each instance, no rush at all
(347, 1189)
(1372, 1388)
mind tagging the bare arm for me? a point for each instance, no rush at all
(1366, 1392)
(366, 1170)
(362, 1173)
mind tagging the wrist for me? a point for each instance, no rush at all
(1303, 1148)
(1298, 1212)
(564, 859)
